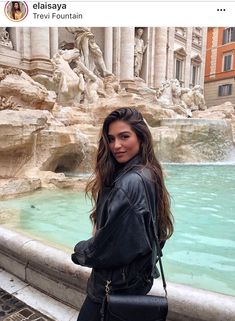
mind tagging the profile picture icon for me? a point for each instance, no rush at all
(16, 10)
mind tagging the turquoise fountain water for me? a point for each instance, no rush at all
(201, 252)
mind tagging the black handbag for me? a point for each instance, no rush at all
(118, 307)
(136, 308)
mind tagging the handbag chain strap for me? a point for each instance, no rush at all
(159, 251)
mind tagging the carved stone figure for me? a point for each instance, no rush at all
(112, 86)
(164, 94)
(193, 98)
(78, 84)
(91, 55)
(170, 93)
(199, 97)
(169, 96)
(97, 64)
(4, 38)
(93, 85)
(139, 51)
(70, 84)
(19, 88)
(82, 35)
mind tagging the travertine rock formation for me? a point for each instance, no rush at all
(193, 140)
(223, 111)
(34, 138)
(43, 145)
(10, 187)
(38, 147)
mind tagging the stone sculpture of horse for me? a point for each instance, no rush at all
(69, 84)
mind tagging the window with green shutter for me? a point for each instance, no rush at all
(227, 62)
(225, 90)
(228, 35)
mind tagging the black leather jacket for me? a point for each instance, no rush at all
(123, 248)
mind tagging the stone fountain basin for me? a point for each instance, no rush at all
(52, 271)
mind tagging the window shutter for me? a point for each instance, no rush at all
(177, 69)
(220, 90)
(233, 34)
(227, 62)
(225, 90)
(225, 36)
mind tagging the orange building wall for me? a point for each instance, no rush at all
(221, 49)
(208, 53)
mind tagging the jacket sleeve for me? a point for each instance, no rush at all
(120, 241)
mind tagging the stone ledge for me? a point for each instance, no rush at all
(51, 271)
(10, 187)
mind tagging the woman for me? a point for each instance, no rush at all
(16, 12)
(128, 189)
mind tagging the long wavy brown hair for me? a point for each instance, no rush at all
(13, 10)
(106, 165)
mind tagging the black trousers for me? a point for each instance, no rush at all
(90, 311)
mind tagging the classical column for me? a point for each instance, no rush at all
(116, 51)
(127, 54)
(40, 51)
(54, 41)
(204, 43)
(170, 53)
(144, 72)
(108, 48)
(25, 43)
(150, 58)
(188, 49)
(160, 55)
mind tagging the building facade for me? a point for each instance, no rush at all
(220, 66)
(171, 52)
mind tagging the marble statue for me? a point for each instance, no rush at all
(70, 84)
(82, 35)
(199, 97)
(193, 98)
(93, 85)
(164, 94)
(91, 54)
(5, 38)
(20, 90)
(78, 84)
(169, 96)
(111, 86)
(139, 51)
(97, 63)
